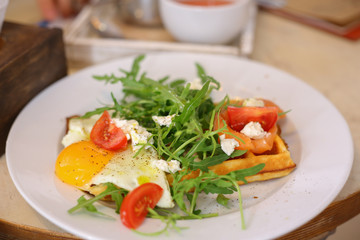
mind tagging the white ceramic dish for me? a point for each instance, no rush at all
(323, 153)
(207, 25)
(3, 6)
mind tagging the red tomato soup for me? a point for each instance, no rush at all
(205, 3)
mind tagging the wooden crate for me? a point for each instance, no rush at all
(31, 58)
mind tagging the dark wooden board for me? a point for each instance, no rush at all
(31, 58)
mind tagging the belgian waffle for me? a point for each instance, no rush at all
(278, 163)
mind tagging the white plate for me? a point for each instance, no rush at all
(317, 134)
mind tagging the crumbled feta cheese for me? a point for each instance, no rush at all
(161, 164)
(228, 145)
(196, 84)
(174, 166)
(163, 120)
(138, 134)
(253, 102)
(254, 130)
(171, 166)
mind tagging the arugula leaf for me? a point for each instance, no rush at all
(221, 199)
(194, 103)
(283, 113)
(116, 195)
(239, 175)
(107, 78)
(95, 112)
(207, 162)
(238, 153)
(204, 77)
(214, 188)
(90, 207)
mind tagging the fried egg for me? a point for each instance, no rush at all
(87, 166)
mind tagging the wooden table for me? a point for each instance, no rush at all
(328, 63)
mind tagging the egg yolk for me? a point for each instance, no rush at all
(80, 162)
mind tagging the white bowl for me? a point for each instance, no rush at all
(3, 6)
(205, 24)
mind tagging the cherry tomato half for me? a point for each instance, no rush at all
(240, 116)
(269, 103)
(134, 207)
(107, 135)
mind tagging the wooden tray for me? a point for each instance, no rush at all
(86, 46)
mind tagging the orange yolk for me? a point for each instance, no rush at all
(80, 162)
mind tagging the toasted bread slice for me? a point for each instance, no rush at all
(278, 163)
